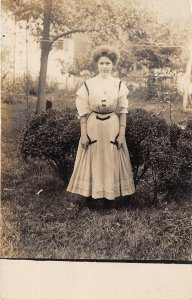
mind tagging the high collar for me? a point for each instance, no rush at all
(109, 77)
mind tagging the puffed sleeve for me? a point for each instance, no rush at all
(82, 101)
(122, 106)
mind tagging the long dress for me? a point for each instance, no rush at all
(102, 171)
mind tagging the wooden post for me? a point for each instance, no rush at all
(49, 104)
(187, 81)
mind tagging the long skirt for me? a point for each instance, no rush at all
(102, 171)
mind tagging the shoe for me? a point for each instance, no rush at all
(90, 203)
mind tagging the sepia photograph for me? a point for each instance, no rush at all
(96, 107)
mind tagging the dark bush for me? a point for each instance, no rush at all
(160, 153)
(164, 164)
(170, 161)
(184, 148)
(52, 136)
(189, 125)
(174, 134)
(143, 128)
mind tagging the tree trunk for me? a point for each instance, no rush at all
(45, 48)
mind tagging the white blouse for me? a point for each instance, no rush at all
(104, 96)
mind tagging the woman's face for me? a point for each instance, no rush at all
(105, 66)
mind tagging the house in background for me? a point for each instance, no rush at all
(61, 57)
(22, 53)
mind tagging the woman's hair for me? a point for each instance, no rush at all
(108, 51)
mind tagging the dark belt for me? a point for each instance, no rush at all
(103, 113)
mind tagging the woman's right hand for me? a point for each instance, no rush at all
(84, 142)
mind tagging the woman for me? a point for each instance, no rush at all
(102, 166)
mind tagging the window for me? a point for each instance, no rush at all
(60, 45)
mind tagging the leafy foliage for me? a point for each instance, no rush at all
(114, 22)
(143, 128)
(52, 136)
(161, 154)
(161, 150)
(162, 86)
(184, 146)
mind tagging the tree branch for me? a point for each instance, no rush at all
(70, 32)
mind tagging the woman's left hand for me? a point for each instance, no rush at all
(120, 140)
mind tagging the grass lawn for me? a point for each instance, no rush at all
(49, 225)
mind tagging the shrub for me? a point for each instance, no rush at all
(189, 125)
(142, 129)
(52, 136)
(184, 148)
(170, 162)
(174, 134)
(30, 85)
(160, 153)
(160, 90)
(12, 89)
(164, 164)
(15, 89)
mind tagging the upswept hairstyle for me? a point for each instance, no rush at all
(108, 51)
